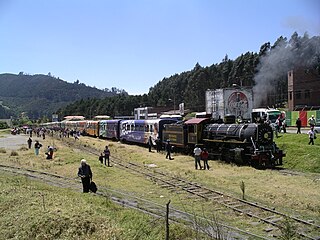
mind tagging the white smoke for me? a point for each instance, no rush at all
(282, 58)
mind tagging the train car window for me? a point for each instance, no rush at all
(132, 127)
(146, 128)
(151, 128)
(191, 129)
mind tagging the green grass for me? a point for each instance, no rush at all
(34, 210)
(4, 132)
(299, 155)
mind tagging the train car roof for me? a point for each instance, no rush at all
(196, 120)
(74, 117)
(110, 121)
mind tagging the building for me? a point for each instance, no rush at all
(144, 113)
(237, 101)
(303, 89)
(157, 112)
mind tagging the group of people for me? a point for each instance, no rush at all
(85, 173)
(311, 133)
(105, 157)
(201, 155)
(156, 143)
(38, 146)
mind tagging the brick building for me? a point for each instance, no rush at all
(303, 89)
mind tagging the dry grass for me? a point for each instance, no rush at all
(297, 195)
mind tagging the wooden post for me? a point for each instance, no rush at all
(43, 204)
(167, 221)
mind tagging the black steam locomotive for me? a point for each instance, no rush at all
(248, 143)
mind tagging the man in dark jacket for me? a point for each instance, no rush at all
(298, 124)
(168, 149)
(85, 174)
(29, 141)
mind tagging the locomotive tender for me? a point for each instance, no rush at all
(249, 143)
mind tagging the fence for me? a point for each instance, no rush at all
(292, 116)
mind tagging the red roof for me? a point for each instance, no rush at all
(196, 120)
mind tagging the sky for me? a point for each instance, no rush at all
(134, 44)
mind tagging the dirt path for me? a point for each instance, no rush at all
(13, 142)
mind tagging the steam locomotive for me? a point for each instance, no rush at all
(248, 143)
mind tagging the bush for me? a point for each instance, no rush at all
(14, 153)
(3, 125)
(23, 149)
(3, 150)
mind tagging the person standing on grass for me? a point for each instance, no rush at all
(168, 149)
(204, 157)
(197, 156)
(29, 141)
(106, 153)
(37, 147)
(150, 143)
(85, 174)
(101, 157)
(298, 124)
(312, 136)
(312, 121)
(158, 144)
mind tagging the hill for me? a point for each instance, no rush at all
(41, 95)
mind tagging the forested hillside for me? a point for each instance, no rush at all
(42, 95)
(265, 71)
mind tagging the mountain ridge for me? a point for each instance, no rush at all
(41, 95)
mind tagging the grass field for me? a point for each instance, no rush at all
(300, 155)
(33, 210)
(297, 195)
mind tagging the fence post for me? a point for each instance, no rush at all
(167, 221)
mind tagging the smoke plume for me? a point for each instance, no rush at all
(299, 52)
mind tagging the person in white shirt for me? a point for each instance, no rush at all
(312, 136)
(197, 156)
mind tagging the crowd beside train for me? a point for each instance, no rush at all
(146, 132)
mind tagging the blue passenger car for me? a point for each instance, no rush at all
(109, 129)
(138, 131)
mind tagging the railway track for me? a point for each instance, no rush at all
(305, 229)
(211, 228)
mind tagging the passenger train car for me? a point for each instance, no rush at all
(109, 129)
(92, 128)
(139, 131)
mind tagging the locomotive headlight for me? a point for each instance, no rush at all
(266, 135)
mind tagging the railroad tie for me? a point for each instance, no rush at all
(232, 204)
(238, 206)
(276, 219)
(270, 217)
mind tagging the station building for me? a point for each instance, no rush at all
(303, 89)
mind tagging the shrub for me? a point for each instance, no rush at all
(14, 153)
(24, 149)
(3, 150)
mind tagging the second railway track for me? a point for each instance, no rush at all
(305, 229)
